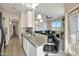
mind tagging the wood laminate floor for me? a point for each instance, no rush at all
(14, 48)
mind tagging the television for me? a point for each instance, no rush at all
(56, 25)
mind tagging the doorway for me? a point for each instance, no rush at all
(14, 30)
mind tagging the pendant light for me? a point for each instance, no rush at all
(36, 22)
(39, 16)
(41, 20)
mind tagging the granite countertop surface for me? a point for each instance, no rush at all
(35, 39)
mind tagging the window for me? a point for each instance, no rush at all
(56, 25)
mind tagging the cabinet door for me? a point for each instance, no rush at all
(32, 50)
(40, 51)
(25, 44)
(29, 49)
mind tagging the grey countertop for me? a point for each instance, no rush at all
(35, 39)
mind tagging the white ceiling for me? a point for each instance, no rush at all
(47, 9)
(14, 8)
(50, 9)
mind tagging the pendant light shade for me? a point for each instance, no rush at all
(39, 16)
(36, 22)
(41, 20)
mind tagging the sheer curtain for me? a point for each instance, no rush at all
(73, 32)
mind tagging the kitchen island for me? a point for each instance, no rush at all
(33, 43)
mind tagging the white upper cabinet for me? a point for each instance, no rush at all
(30, 18)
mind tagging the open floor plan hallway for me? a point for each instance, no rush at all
(14, 48)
